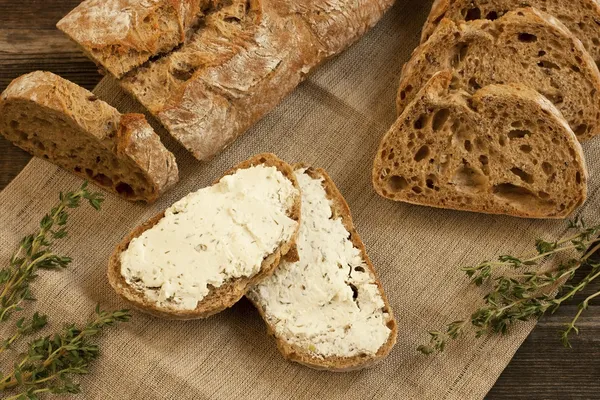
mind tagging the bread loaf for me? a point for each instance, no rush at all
(203, 254)
(240, 62)
(327, 310)
(503, 150)
(120, 35)
(61, 122)
(581, 17)
(525, 46)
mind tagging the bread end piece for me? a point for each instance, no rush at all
(226, 295)
(340, 209)
(57, 120)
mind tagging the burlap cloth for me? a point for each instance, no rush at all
(334, 120)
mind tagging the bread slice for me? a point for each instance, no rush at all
(328, 310)
(503, 150)
(524, 46)
(61, 122)
(219, 297)
(120, 35)
(580, 17)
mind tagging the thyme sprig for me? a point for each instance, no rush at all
(50, 361)
(529, 292)
(36, 324)
(34, 252)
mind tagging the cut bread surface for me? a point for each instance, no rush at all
(523, 46)
(66, 124)
(202, 254)
(503, 150)
(580, 17)
(327, 310)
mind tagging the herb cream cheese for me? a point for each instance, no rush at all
(328, 303)
(216, 234)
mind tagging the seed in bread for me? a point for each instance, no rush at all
(503, 150)
(200, 255)
(61, 122)
(580, 17)
(524, 46)
(327, 310)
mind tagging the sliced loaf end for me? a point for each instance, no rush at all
(304, 356)
(503, 150)
(219, 298)
(63, 123)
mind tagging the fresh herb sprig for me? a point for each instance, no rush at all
(529, 292)
(36, 324)
(35, 253)
(50, 362)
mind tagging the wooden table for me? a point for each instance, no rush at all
(541, 369)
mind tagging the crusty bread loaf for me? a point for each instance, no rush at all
(240, 62)
(524, 46)
(63, 123)
(581, 17)
(219, 298)
(503, 150)
(351, 285)
(120, 35)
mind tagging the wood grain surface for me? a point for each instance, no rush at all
(541, 369)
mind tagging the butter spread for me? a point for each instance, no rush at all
(211, 236)
(328, 303)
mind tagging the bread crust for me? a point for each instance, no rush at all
(229, 74)
(294, 353)
(129, 138)
(439, 87)
(580, 18)
(229, 293)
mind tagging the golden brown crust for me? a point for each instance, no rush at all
(53, 118)
(294, 353)
(226, 295)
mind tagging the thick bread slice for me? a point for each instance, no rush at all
(503, 150)
(242, 62)
(219, 298)
(524, 46)
(120, 35)
(580, 17)
(361, 271)
(61, 122)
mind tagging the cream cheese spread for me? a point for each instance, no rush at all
(328, 303)
(218, 233)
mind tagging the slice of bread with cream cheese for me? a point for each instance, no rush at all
(327, 310)
(204, 252)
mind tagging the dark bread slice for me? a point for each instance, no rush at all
(580, 17)
(66, 124)
(503, 150)
(523, 46)
(229, 293)
(292, 352)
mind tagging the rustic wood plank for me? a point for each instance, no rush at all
(541, 369)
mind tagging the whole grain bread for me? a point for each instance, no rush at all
(581, 17)
(503, 150)
(63, 123)
(523, 46)
(237, 64)
(120, 35)
(293, 352)
(229, 293)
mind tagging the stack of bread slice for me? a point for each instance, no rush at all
(492, 106)
(279, 234)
